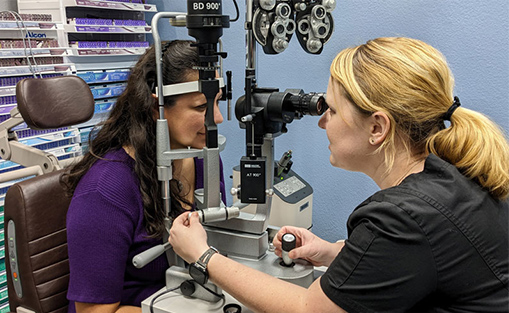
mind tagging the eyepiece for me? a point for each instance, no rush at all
(309, 104)
(294, 104)
(318, 12)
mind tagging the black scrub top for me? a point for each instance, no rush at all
(437, 242)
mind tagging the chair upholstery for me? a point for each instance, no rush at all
(54, 102)
(38, 207)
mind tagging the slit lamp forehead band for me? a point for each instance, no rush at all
(182, 88)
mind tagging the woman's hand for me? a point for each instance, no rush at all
(308, 246)
(187, 237)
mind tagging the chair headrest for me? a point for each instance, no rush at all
(54, 102)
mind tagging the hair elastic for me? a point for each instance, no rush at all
(452, 108)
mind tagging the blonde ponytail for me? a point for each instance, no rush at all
(411, 82)
(477, 147)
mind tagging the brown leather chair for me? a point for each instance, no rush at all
(35, 209)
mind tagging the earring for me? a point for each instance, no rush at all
(372, 141)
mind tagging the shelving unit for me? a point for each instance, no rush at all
(28, 49)
(104, 39)
(41, 45)
(97, 40)
(86, 22)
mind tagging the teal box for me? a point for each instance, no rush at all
(4, 294)
(5, 308)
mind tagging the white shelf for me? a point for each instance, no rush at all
(6, 185)
(42, 69)
(36, 52)
(5, 109)
(100, 62)
(7, 91)
(53, 136)
(93, 52)
(110, 5)
(33, 33)
(28, 24)
(107, 29)
(71, 149)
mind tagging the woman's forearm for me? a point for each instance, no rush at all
(264, 293)
(254, 289)
(105, 308)
(128, 309)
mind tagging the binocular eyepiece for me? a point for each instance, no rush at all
(294, 104)
(312, 103)
(273, 109)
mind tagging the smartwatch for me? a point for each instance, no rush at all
(198, 269)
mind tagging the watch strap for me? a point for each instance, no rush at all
(205, 257)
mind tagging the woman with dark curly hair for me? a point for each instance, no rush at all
(116, 210)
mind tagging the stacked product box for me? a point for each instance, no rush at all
(106, 86)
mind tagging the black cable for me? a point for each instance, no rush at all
(159, 295)
(237, 10)
(221, 296)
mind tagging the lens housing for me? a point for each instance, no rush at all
(294, 104)
(273, 109)
(309, 103)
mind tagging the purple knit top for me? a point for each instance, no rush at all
(105, 230)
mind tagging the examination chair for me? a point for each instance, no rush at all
(35, 209)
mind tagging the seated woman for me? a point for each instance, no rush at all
(116, 210)
(434, 238)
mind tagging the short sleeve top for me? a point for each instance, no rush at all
(437, 242)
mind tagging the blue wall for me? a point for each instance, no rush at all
(473, 35)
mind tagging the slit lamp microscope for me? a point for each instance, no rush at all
(240, 231)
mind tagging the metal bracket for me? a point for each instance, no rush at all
(37, 161)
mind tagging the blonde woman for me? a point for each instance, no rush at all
(435, 237)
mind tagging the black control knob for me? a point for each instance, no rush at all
(288, 243)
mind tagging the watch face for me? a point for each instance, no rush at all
(198, 273)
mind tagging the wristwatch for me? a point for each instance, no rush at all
(198, 269)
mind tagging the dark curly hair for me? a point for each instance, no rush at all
(131, 123)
